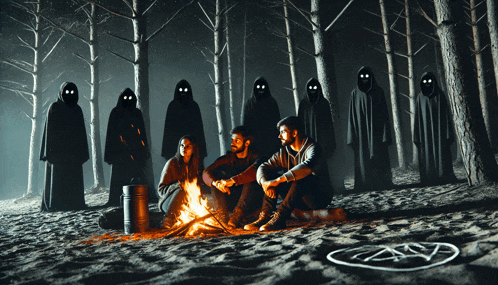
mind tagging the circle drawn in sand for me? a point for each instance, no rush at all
(396, 258)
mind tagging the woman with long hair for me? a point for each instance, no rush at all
(182, 167)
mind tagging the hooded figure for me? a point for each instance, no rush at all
(183, 117)
(369, 134)
(65, 149)
(433, 133)
(126, 147)
(315, 112)
(261, 115)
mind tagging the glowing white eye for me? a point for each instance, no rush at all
(72, 91)
(366, 75)
(257, 86)
(186, 89)
(181, 89)
(129, 98)
(424, 81)
(361, 75)
(67, 91)
(262, 86)
(316, 87)
(430, 80)
(311, 87)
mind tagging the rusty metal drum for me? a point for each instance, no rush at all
(136, 208)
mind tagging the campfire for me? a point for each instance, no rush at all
(195, 218)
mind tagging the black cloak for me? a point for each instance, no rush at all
(433, 133)
(65, 149)
(261, 115)
(369, 134)
(315, 112)
(183, 117)
(126, 147)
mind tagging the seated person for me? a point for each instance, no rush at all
(304, 184)
(182, 167)
(233, 179)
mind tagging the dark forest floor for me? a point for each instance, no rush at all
(50, 248)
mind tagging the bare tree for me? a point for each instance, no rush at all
(230, 84)
(493, 34)
(478, 158)
(216, 27)
(33, 23)
(290, 48)
(244, 68)
(393, 84)
(92, 18)
(139, 11)
(481, 80)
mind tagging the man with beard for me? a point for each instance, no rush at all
(183, 117)
(260, 115)
(297, 172)
(369, 134)
(65, 149)
(433, 133)
(233, 179)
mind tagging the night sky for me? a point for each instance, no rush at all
(175, 54)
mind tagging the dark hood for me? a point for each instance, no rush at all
(69, 93)
(127, 99)
(182, 96)
(314, 95)
(365, 87)
(261, 96)
(429, 89)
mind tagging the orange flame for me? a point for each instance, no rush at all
(193, 207)
(132, 126)
(138, 130)
(143, 143)
(132, 157)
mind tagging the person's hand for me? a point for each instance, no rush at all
(229, 183)
(220, 185)
(270, 192)
(272, 183)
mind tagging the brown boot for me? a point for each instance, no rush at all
(235, 218)
(277, 222)
(264, 217)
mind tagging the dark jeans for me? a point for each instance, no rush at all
(302, 194)
(247, 197)
(172, 205)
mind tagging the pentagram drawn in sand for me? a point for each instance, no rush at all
(397, 258)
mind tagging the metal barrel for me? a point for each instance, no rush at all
(136, 208)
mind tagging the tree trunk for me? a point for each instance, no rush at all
(141, 68)
(217, 77)
(97, 165)
(34, 145)
(480, 69)
(244, 71)
(230, 85)
(411, 81)
(478, 158)
(493, 34)
(393, 84)
(291, 57)
(321, 64)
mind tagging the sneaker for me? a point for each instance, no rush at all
(235, 218)
(277, 222)
(264, 217)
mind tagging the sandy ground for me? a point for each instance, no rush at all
(50, 248)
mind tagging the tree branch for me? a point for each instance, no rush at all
(122, 39)
(19, 92)
(66, 31)
(397, 18)
(401, 54)
(122, 57)
(398, 32)
(339, 15)
(375, 32)
(148, 8)
(305, 51)
(370, 12)
(420, 49)
(109, 10)
(25, 44)
(302, 14)
(167, 22)
(52, 82)
(424, 14)
(212, 30)
(53, 48)
(104, 81)
(16, 66)
(30, 28)
(404, 76)
(84, 59)
(207, 16)
(403, 94)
